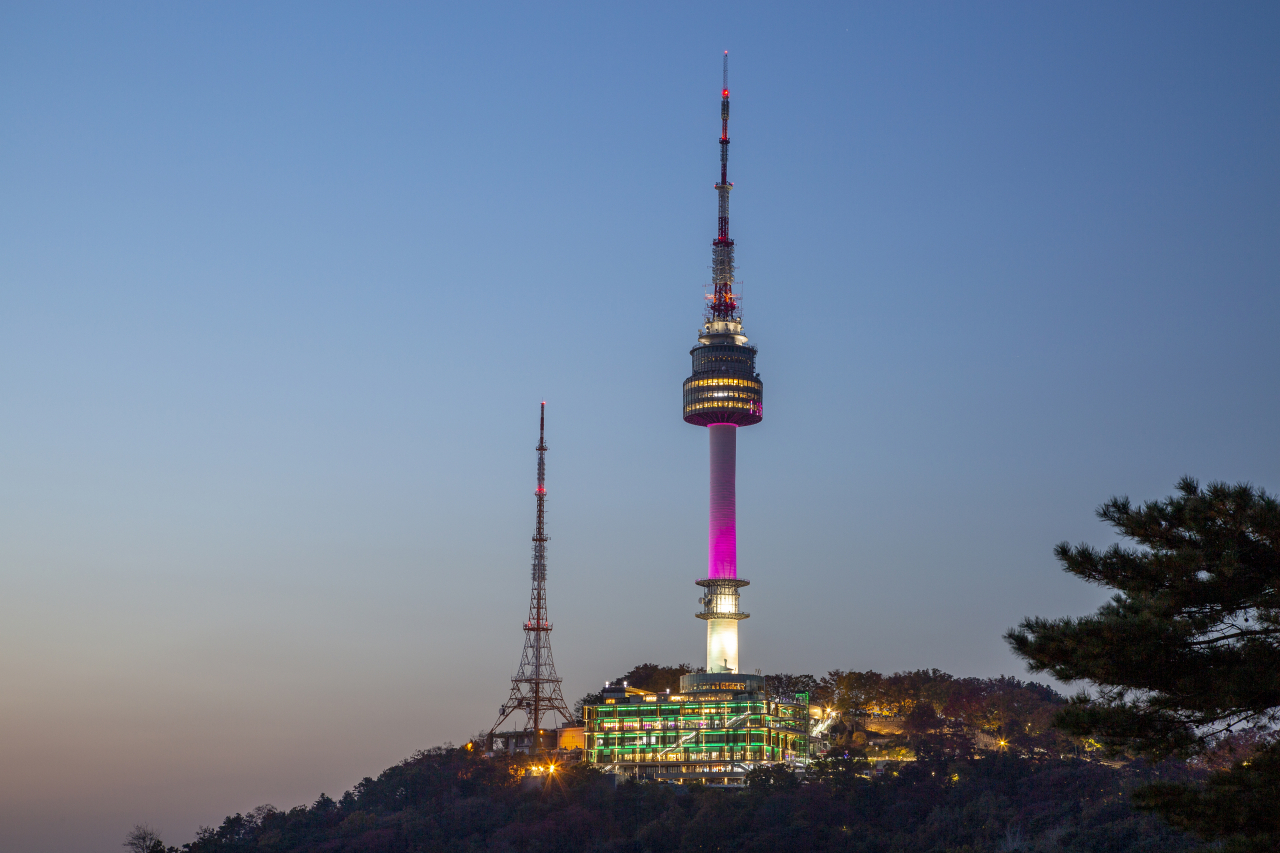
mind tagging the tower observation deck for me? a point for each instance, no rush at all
(723, 393)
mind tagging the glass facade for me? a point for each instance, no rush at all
(724, 358)
(724, 387)
(697, 737)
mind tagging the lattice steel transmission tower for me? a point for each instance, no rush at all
(535, 689)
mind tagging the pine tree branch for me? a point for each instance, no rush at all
(1261, 632)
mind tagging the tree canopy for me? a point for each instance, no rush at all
(458, 800)
(1185, 659)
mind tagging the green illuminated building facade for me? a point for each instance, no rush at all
(719, 726)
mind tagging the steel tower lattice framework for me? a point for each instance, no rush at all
(724, 393)
(535, 689)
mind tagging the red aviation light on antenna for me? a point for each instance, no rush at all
(725, 93)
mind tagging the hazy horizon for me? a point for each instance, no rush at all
(283, 287)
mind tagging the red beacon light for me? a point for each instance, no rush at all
(725, 93)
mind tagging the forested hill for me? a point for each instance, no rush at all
(989, 774)
(456, 800)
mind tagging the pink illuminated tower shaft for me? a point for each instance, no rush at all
(720, 604)
(722, 533)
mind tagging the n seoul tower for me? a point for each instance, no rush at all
(723, 393)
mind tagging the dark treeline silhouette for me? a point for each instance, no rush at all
(449, 799)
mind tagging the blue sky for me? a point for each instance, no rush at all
(281, 288)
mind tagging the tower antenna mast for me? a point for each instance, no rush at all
(535, 689)
(724, 305)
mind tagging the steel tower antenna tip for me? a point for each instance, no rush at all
(542, 448)
(724, 305)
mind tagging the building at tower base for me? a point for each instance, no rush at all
(716, 729)
(565, 742)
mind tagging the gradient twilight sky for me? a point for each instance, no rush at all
(282, 285)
